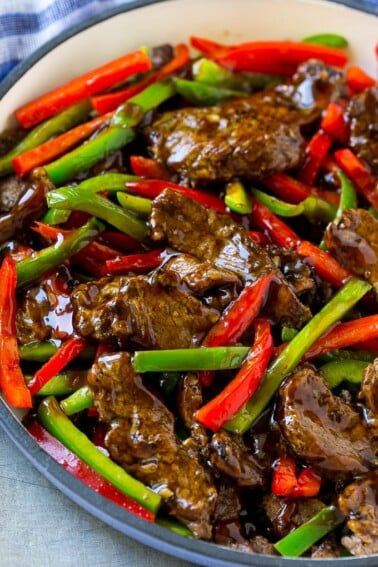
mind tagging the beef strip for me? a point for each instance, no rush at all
(286, 514)
(250, 137)
(359, 503)
(321, 429)
(191, 228)
(148, 312)
(44, 314)
(199, 276)
(362, 115)
(353, 241)
(189, 400)
(21, 203)
(231, 456)
(142, 439)
(369, 395)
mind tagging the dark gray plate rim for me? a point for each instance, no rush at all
(161, 539)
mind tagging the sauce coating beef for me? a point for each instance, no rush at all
(250, 137)
(359, 503)
(369, 395)
(323, 430)
(353, 241)
(150, 312)
(362, 115)
(189, 227)
(141, 438)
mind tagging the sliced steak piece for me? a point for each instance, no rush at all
(45, 312)
(191, 228)
(286, 514)
(189, 400)
(204, 145)
(359, 503)
(354, 242)
(142, 311)
(362, 115)
(142, 439)
(231, 456)
(199, 276)
(321, 429)
(250, 137)
(21, 203)
(369, 395)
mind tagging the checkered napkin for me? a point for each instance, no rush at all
(27, 24)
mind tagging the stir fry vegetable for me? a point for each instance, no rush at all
(189, 318)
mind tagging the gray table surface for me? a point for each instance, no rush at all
(39, 526)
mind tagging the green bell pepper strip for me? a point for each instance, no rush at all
(288, 333)
(56, 125)
(138, 205)
(184, 359)
(62, 384)
(348, 195)
(237, 198)
(200, 94)
(119, 133)
(210, 73)
(301, 539)
(60, 426)
(352, 291)
(343, 354)
(174, 526)
(339, 371)
(106, 182)
(312, 207)
(79, 400)
(74, 198)
(44, 260)
(327, 39)
(44, 350)
(56, 216)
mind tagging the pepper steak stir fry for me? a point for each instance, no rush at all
(189, 281)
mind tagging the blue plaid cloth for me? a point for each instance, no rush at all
(27, 24)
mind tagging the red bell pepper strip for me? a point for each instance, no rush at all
(316, 152)
(358, 80)
(96, 249)
(151, 188)
(286, 483)
(294, 191)
(287, 188)
(327, 267)
(334, 124)
(85, 473)
(56, 147)
(308, 484)
(268, 222)
(345, 335)
(258, 237)
(276, 57)
(284, 479)
(237, 318)
(120, 241)
(359, 174)
(237, 392)
(12, 382)
(90, 83)
(134, 262)
(66, 353)
(108, 102)
(148, 167)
